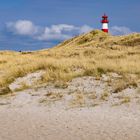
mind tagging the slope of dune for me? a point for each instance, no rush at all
(90, 54)
(87, 87)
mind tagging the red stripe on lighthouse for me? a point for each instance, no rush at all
(105, 30)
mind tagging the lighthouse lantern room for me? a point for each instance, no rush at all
(105, 23)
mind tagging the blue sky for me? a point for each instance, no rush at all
(38, 24)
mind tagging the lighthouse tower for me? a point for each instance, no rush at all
(105, 23)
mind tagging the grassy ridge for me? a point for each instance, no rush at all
(89, 54)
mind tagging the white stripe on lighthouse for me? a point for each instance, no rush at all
(105, 26)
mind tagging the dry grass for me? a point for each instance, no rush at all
(61, 85)
(105, 96)
(84, 99)
(94, 53)
(4, 91)
(92, 96)
(78, 100)
(123, 99)
(126, 99)
(123, 83)
(138, 90)
(51, 98)
(23, 86)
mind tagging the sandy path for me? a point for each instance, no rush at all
(24, 117)
(42, 123)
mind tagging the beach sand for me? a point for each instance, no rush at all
(46, 123)
(45, 113)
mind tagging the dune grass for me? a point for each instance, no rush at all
(90, 54)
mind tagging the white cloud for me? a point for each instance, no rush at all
(120, 30)
(85, 29)
(55, 32)
(63, 31)
(58, 32)
(22, 27)
(63, 27)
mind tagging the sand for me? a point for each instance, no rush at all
(41, 114)
(43, 123)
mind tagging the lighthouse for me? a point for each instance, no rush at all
(105, 23)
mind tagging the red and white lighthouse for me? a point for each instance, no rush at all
(105, 23)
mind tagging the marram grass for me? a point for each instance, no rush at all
(92, 54)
